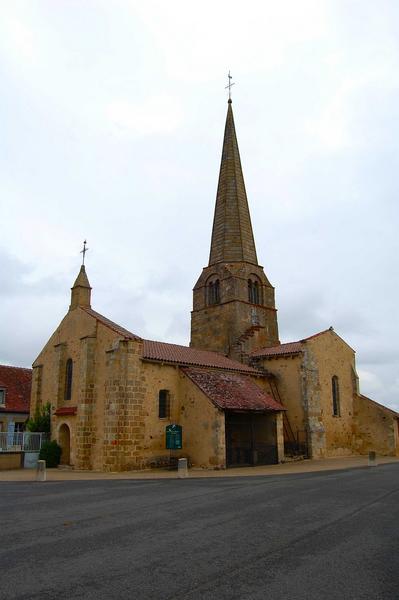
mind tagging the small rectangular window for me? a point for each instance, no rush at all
(163, 404)
(2, 397)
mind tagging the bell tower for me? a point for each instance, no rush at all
(233, 301)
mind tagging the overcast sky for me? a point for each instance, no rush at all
(112, 118)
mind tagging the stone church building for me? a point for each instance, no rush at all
(239, 396)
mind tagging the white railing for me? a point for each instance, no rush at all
(24, 441)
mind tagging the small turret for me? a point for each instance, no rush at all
(81, 291)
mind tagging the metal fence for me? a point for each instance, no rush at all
(24, 441)
(299, 446)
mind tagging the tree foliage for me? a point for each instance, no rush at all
(41, 420)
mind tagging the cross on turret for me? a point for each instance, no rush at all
(84, 252)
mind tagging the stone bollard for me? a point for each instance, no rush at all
(41, 470)
(372, 459)
(182, 470)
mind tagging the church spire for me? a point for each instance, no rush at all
(232, 236)
(233, 301)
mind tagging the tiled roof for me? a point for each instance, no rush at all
(184, 355)
(231, 391)
(17, 383)
(289, 348)
(111, 325)
(66, 410)
(173, 353)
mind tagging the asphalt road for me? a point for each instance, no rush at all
(332, 535)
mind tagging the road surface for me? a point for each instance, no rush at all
(330, 535)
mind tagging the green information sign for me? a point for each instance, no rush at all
(174, 437)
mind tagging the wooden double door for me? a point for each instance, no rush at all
(250, 439)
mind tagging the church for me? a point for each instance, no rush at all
(235, 396)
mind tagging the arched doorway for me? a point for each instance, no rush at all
(64, 437)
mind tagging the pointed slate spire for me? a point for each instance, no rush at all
(81, 291)
(232, 236)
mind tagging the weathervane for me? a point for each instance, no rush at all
(229, 85)
(84, 252)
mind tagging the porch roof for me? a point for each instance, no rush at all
(232, 391)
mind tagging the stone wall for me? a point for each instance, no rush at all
(77, 337)
(287, 370)
(85, 420)
(11, 460)
(204, 427)
(124, 409)
(376, 428)
(328, 356)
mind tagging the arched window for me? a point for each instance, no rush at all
(214, 292)
(335, 397)
(216, 289)
(163, 404)
(253, 291)
(210, 292)
(68, 379)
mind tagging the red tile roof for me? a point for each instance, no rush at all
(173, 353)
(282, 349)
(111, 325)
(17, 383)
(231, 391)
(292, 347)
(66, 410)
(184, 355)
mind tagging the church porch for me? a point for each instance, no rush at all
(252, 418)
(252, 438)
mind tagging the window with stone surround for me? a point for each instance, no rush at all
(163, 404)
(2, 397)
(335, 397)
(213, 291)
(254, 291)
(68, 379)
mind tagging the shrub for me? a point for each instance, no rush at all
(41, 419)
(51, 453)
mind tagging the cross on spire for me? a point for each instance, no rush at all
(229, 85)
(84, 252)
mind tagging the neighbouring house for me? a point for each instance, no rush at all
(15, 390)
(237, 395)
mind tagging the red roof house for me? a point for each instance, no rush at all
(15, 387)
